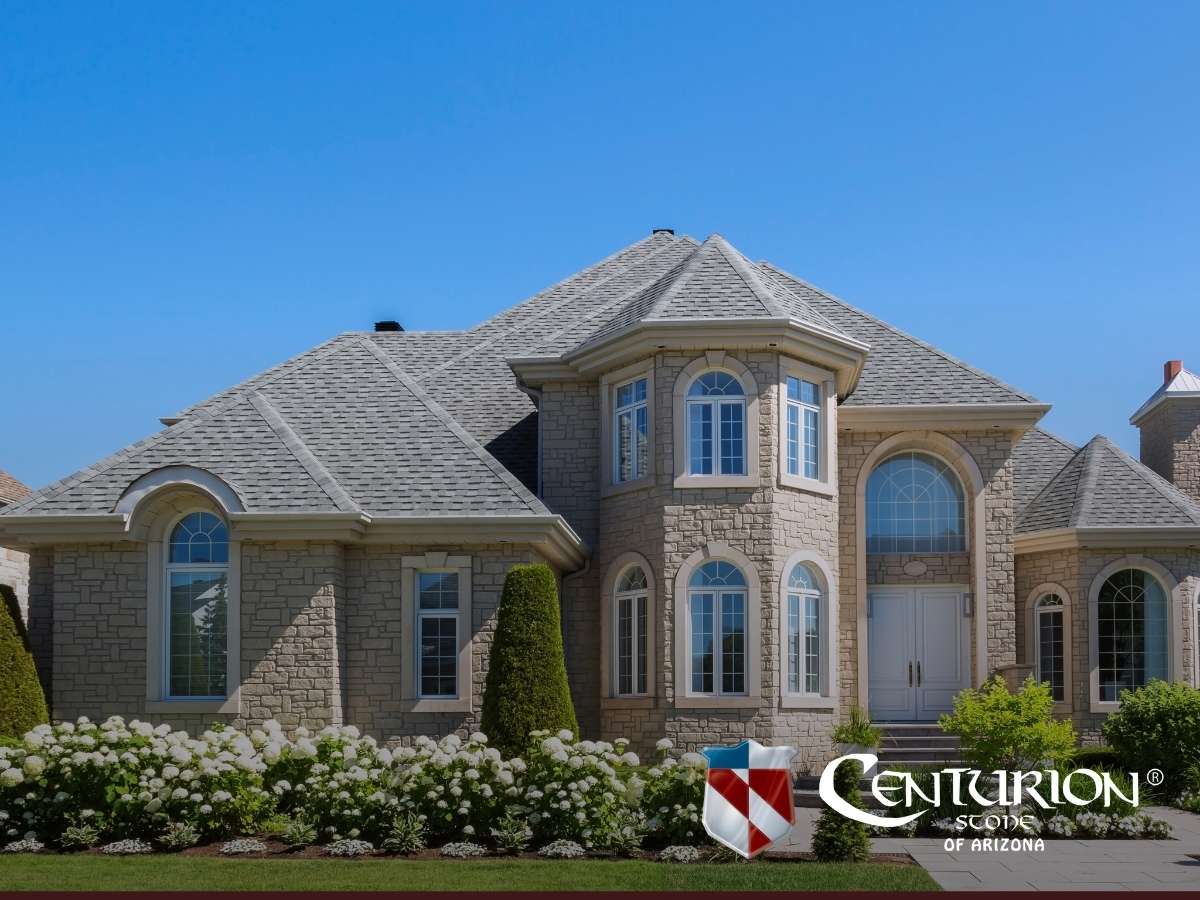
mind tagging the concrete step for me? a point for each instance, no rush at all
(910, 729)
(904, 754)
(901, 741)
(810, 799)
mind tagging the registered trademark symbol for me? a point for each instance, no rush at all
(1154, 777)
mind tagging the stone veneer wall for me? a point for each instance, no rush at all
(992, 453)
(1075, 571)
(14, 571)
(379, 643)
(1170, 443)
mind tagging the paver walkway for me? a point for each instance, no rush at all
(1172, 865)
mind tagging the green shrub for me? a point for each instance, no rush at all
(408, 834)
(526, 688)
(1002, 730)
(837, 838)
(22, 702)
(1105, 758)
(857, 730)
(1157, 727)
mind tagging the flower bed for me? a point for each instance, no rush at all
(82, 785)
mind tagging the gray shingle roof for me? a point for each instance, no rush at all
(434, 422)
(1101, 486)
(1037, 457)
(900, 369)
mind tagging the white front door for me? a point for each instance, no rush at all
(918, 652)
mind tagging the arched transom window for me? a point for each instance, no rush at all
(1131, 632)
(631, 614)
(1049, 645)
(197, 574)
(716, 425)
(915, 504)
(805, 615)
(717, 629)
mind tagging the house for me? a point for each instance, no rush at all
(14, 565)
(764, 506)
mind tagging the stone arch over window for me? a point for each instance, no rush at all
(1048, 639)
(808, 598)
(168, 492)
(716, 399)
(1130, 594)
(707, 587)
(970, 477)
(630, 613)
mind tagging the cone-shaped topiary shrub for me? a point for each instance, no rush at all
(526, 686)
(22, 703)
(836, 838)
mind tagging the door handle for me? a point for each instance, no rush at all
(910, 673)
(918, 673)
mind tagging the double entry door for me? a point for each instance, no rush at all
(918, 657)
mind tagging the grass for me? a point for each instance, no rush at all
(166, 873)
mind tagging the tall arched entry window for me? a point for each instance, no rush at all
(915, 504)
(197, 591)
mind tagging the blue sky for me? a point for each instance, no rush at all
(190, 193)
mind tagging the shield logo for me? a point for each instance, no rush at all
(748, 796)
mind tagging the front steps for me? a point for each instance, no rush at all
(907, 745)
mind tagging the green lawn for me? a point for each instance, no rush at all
(166, 873)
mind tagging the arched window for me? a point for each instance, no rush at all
(805, 624)
(197, 590)
(717, 629)
(716, 425)
(1049, 643)
(1131, 632)
(915, 504)
(631, 613)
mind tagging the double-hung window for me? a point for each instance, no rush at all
(437, 634)
(716, 425)
(632, 618)
(197, 574)
(717, 626)
(803, 632)
(803, 427)
(631, 432)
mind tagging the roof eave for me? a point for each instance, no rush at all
(844, 356)
(1158, 400)
(1006, 416)
(1107, 537)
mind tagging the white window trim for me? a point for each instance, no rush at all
(157, 622)
(828, 698)
(608, 393)
(1031, 638)
(1174, 596)
(411, 700)
(609, 698)
(721, 361)
(684, 697)
(824, 483)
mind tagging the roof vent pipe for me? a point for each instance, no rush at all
(1171, 368)
(389, 325)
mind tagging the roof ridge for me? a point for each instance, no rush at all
(504, 332)
(625, 298)
(1085, 487)
(1176, 497)
(307, 459)
(901, 333)
(1063, 442)
(198, 417)
(742, 266)
(562, 281)
(676, 285)
(511, 481)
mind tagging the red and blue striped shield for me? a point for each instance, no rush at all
(748, 797)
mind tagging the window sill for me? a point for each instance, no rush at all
(803, 701)
(230, 706)
(717, 481)
(436, 706)
(613, 490)
(627, 702)
(811, 485)
(708, 702)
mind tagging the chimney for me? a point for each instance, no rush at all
(1171, 368)
(1169, 423)
(388, 325)
(662, 231)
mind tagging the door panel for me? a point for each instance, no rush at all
(890, 647)
(940, 651)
